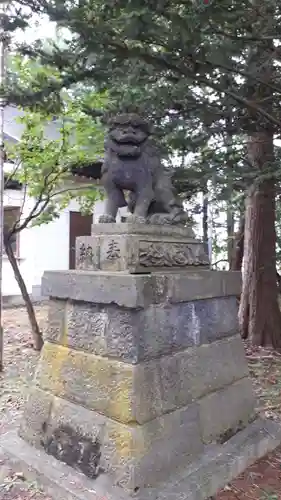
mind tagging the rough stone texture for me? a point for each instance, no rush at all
(202, 479)
(56, 326)
(145, 455)
(100, 288)
(76, 449)
(224, 411)
(139, 291)
(210, 367)
(138, 253)
(135, 456)
(149, 230)
(144, 391)
(56, 426)
(92, 381)
(220, 465)
(140, 374)
(144, 334)
(36, 414)
(40, 420)
(177, 326)
(79, 325)
(184, 287)
(133, 163)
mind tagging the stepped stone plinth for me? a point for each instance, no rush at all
(142, 384)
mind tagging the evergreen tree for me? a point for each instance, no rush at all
(198, 70)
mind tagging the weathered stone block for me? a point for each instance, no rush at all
(168, 327)
(82, 325)
(71, 434)
(156, 249)
(144, 372)
(184, 287)
(222, 413)
(134, 456)
(100, 288)
(201, 480)
(217, 318)
(140, 392)
(174, 381)
(221, 464)
(212, 367)
(141, 334)
(92, 381)
(36, 415)
(167, 231)
(89, 256)
(154, 450)
(56, 325)
(140, 291)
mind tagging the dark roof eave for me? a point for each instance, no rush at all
(88, 170)
(12, 184)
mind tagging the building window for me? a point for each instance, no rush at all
(11, 216)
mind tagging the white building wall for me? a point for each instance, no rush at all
(41, 248)
(54, 244)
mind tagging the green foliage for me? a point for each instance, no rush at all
(50, 146)
(184, 65)
(197, 71)
(178, 51)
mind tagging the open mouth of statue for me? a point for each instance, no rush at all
(131, 140)
(129, 143)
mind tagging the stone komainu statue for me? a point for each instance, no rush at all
(132, 163)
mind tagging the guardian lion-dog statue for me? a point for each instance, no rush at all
(132, 163)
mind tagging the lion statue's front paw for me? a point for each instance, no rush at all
(106, 219)
(135, 219)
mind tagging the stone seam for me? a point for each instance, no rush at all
(136, 291)
(129, 335)
(151, 360)
(142, 361)
(136, 462)
(132, 391)
(133, 423)
(222, 465)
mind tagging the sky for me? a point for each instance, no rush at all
(42, 28)
(39, 28)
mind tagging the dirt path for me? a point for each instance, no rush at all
(19, 364)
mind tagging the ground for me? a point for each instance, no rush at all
(19, 362)
(260, 482)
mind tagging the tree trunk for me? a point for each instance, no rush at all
(230, 234)
(278, 277)
(36, 333)
(238, 247)
(205, 221)
(259, 314)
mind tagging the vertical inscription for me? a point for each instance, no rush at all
(113, 251)
(85, 256)
(82, 253)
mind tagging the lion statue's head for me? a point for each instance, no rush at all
(127, 134)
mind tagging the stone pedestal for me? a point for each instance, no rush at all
(139, 249)
(142, 376)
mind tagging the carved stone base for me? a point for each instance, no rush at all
(140, 378)
(139, 248)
